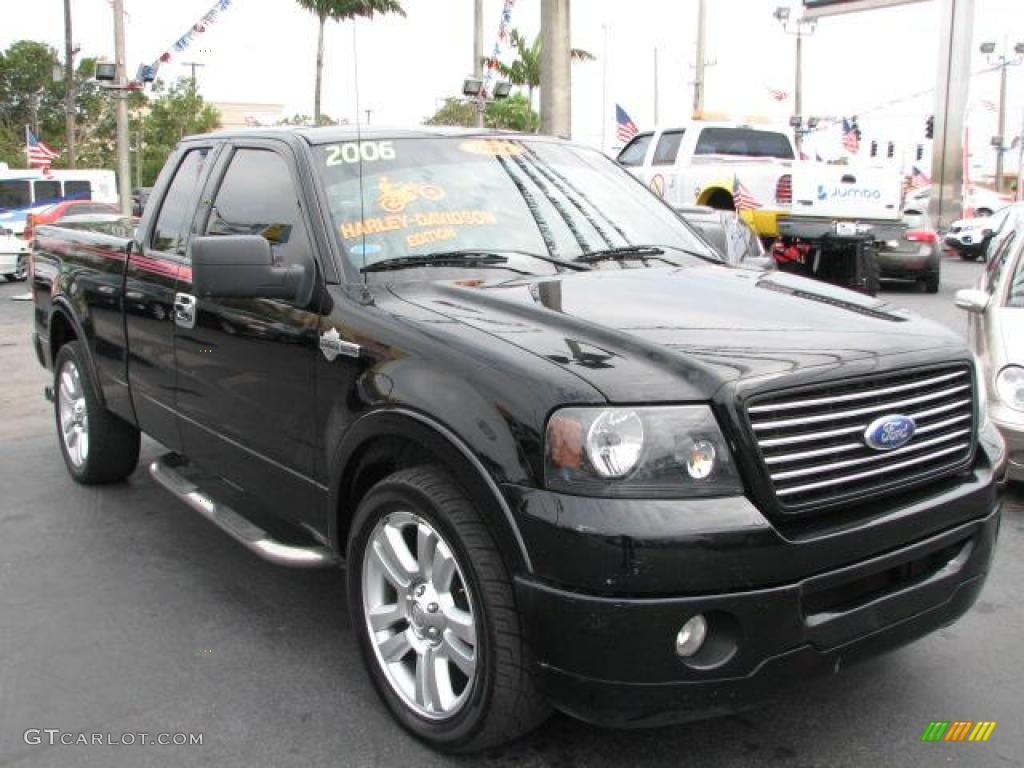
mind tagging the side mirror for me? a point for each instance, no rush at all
(242, 267)
(972, 300)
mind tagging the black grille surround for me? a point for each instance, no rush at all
(811, 445)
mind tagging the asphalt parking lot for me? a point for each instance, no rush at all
(122, 611)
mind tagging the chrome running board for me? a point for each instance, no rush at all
(250, 535)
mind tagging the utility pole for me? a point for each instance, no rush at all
(478, 51)
(656, 86)
(801, 28)
(124, 174)
(193, 65)
(698, 65)
(555, 72)
(368, 113)
(1004, 60)
(604, 91)
(69, 86)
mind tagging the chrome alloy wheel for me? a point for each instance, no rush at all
(74, 416)
(419, 615)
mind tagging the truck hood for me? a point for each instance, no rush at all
(641, 335)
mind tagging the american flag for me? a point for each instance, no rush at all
(742, 197)
(851, 136)
(919, 178)
(988, 105)
(39, 155)
(777, 93)
(625, 128)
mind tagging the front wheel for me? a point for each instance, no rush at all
(434, 613)
(98, 447)
(20, 273)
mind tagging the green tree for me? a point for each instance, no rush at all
(524, 71)
(306, 120)
(340, 10)
(511, 114)
(177, 111)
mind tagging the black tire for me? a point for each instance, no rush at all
(931, 284)
(970, 255)
(113, 444)
(873, 279)
(503, 701)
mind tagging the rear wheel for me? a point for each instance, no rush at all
(931, 284)
(434, 613)
(98, 447)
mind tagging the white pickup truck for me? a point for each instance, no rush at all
(828, 211)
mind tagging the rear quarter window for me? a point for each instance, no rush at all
(668, 148)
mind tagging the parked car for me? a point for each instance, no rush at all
(977, 201)
(730, 235)
(996, 333)
(13, 256)
(568, 456)
(970, 238)
(915, 255)
(58, 211)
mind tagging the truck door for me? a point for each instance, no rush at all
(246, 366)
(663, 179)
(150, 278)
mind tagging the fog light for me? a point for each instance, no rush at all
(691, 636)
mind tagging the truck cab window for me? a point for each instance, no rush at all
(77, 190)
(176, 210)
(47, 192)
(634, 153)
(257, 197)
(743, 142)
(15, 193)
(668, 148)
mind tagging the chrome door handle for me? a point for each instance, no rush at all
(185, 310)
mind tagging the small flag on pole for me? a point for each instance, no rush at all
(919, 178)
(625, 128)
(851, 136)
(742, 197)
(39, 155)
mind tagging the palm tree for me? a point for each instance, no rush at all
(339, 10)
(525, 70)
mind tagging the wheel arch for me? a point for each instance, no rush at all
(717, 197)
(63, 327)
(382, 442)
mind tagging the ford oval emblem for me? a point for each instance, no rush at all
(887, 433)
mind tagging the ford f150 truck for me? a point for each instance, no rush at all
(567, 457)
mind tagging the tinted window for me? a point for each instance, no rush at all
(15, 193)
(743, 142)
(77, 190)
(46, 191)
(258, 197)
(634, 152)
(178, 205)
(668, 147)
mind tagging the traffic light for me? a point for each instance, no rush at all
(929, 127)
(874, 148)
(920, 151)
(890, 150)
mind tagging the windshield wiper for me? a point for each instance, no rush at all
(438, 259)
(468, 257)
(624, 252)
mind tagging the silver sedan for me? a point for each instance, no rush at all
(996, 333)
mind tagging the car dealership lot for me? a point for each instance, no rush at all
(122, 611)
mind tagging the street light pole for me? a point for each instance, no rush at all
(555, 76)
(124, 175)
(1002, 125)
(478, 51)
(69, 87)
(800, 27)
(698, 65)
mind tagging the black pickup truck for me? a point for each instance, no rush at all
(568, 458)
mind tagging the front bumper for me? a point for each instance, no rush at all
(780, 609)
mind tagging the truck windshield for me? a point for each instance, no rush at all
(512, 196)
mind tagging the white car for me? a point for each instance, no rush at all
(970, 237)
(978, 201)
(13, 256)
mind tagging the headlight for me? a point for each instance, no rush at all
(656, 452)
(1010, 386)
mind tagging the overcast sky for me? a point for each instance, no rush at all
(264, 50)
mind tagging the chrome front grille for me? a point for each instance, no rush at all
(813, 446)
